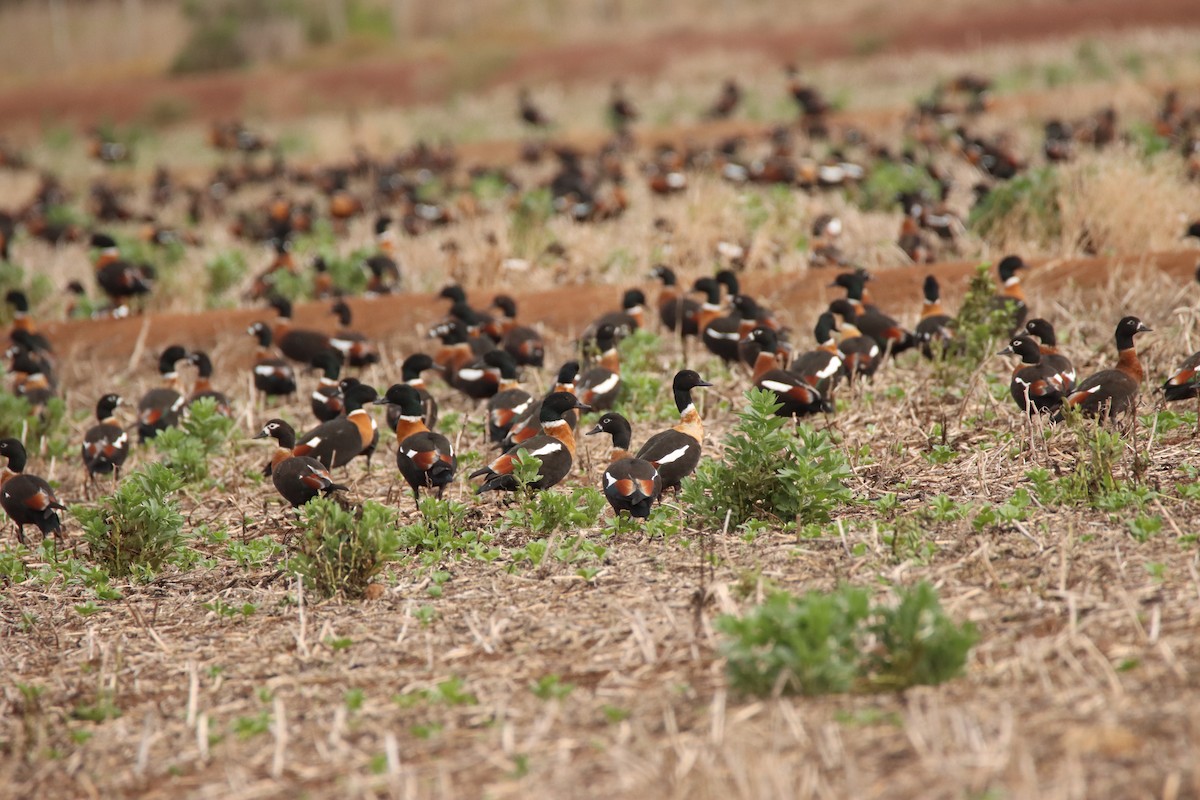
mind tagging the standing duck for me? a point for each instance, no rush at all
(630, 484)
(410, 373)
(720, 333)
(527, 424)
(521, 342)
(273, 376)
(425, 459)
(822, 366)
(203, 386)
(508, 403)
(1064, 370)
(630, 318)
(336, 443)
(1112, 392)
(555, 446)
(600, 385)
(22, 321)
(861, 355)
(119, 279)
(106, 444)
(482, 379)
(326, 400)
(1011, 297)
(677, 312)
(872, 322)
(385, 271)
(455, 351)
(27, 499)
(298, 479)
(160, 408)
(933, 332)
(32, 377)
(797, 397)
(676, 452)
(1032, 386)
(356, 349)
(298, 344)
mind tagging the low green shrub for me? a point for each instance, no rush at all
(824, 643)
(203, 434)
(772, 469)
(340, 551)
(139, 526)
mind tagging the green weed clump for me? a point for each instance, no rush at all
(545, 512)
(980, 325)
(340, 551)
(1025, 208)
(824, 643)
(138, 527)
(447, 529)
(19, 419)
(223, 272)
(882, 187)
(203, 434)
(641, 385)
(773, 469)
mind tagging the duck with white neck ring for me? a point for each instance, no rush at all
(675, 452)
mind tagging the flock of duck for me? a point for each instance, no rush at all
(480, 351)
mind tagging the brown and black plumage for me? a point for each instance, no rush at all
(337, 442)
(106, 444)
(273, 376)
(426, 459)
(298, 479)
(27, 499)
(203, 386)
(1112, 392)
(630, 484)
(160, 407)
(1032, 385)
(555, 447)
(675, 452)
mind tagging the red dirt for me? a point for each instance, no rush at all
(290, 93)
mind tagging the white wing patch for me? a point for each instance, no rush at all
(835, 364)
(266, 370)
(546, 449)
(607, 385)
(470, 374)
(776, 386)
(313, 442)
(674, 455)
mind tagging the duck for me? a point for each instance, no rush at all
(861, 355)
(1032, 385)
(273, 376)
(24, 322)
(298, 479)
(1110, 393)
(1184, 383)
(425, 459)
(528, 112)
(555, 447)
(455, 351)
(631, 485)
(32, 377)
(1011, 297)
(281, 261)
(727, 101)
(677, 312)
(161, 407)
(797, 397)
(337, 442)
(482, 378)
(326, 399)
(508, 403)
(27, 499)
(385, 274)
(521, 342)
(753, 316)
(356, 349)
(600, 385)
(630, 318)
(872, 322)
(117, 278)
(203, 386)
(621, 111)
(934, 331)
(297, 344)
(106, 444)
(675, 452)
(720, 333)
(1064, 370)
(410, 373)
(822, 366)
(527, 424)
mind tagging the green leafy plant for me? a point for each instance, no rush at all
(772, 469)
(340, 551)
(882, 187)
(823, 643)
(446, 530)
(138, 527)
(223, 272)
(979, 326)
(188, 448)
(1025, 208)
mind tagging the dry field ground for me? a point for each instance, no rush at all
(596, 670)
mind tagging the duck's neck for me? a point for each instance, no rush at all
(170, 380)
(406, 426)
(1129, 363)
(561, 430)
(932, 308)
(281, 454)
(611, 360)
(508, 384)
(689, 419)
(1012, 288)
(765, 362)
(618, 453)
